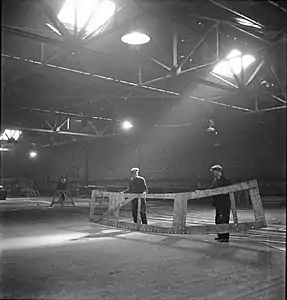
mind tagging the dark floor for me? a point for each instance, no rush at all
(54, 253)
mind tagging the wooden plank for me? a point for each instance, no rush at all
(92, 207)
(114, 203)
(233, 208)
(134, 226)
(257, 205)
(222, 228)
(122, 200)
(139, 213)
(179, 213)
(151, 196)
(117, 200)
(200, 194)
(224, 190)
(206, 229)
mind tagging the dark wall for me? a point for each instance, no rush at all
(254, 150)
(253, 147)
(17, 163)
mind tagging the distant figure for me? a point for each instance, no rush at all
(3, 193)
(137, 185)
(62, 184)
(221, 202)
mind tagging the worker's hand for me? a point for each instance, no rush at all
(144, 193)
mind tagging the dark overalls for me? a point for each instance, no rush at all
(222, 205)
(138, 186)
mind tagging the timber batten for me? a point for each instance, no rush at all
(117, 200)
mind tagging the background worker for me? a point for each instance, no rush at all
(62, 186)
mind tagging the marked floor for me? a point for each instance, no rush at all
(58, 254)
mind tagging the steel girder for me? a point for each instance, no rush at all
(73, 43)
(67, 114)
(129, 83)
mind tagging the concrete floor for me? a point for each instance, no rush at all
(55, 253)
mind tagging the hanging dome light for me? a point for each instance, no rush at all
(135, 38)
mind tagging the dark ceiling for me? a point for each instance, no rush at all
(99, 81)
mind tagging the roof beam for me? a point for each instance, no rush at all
(278, 99)
(54, 19)
(249, 33)
(236, 13)
(64, 113)
(278, 6)
(224, 80)
(273, 108)
(232, 24)
(33, 36)
(200, 42)
(67, 132)
(252, 76)
(213, 84)
(46, 40)
(159, 63)
(129, 83)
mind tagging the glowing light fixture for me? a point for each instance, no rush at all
(3, 149)
(135, 38)
(127, 125)
(95, 12)
(247, 23)
(235, 62)
(10, 134)
(33, 154)
(210, 129)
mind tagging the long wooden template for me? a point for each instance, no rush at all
(117, 200)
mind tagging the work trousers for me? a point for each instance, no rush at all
(222, 216)
(142, 212)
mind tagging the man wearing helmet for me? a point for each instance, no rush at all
(221, 202)
(137, 185)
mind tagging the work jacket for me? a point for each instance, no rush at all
(221, 202)
(137, 185)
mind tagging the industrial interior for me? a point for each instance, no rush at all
(91, 89)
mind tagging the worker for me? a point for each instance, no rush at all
(221, 202)
(137, 185)
(62, 186)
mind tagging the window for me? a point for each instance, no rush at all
(246, 22)
(9, 134)
(235, 62)
(97, 12)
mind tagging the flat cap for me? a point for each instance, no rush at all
(216, 168)
(135, 169)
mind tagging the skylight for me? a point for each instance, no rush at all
(98, 11)
(9, 134)
(235, 62)
(247, 23)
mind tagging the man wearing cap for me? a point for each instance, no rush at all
(221, 202)
(137, 185)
